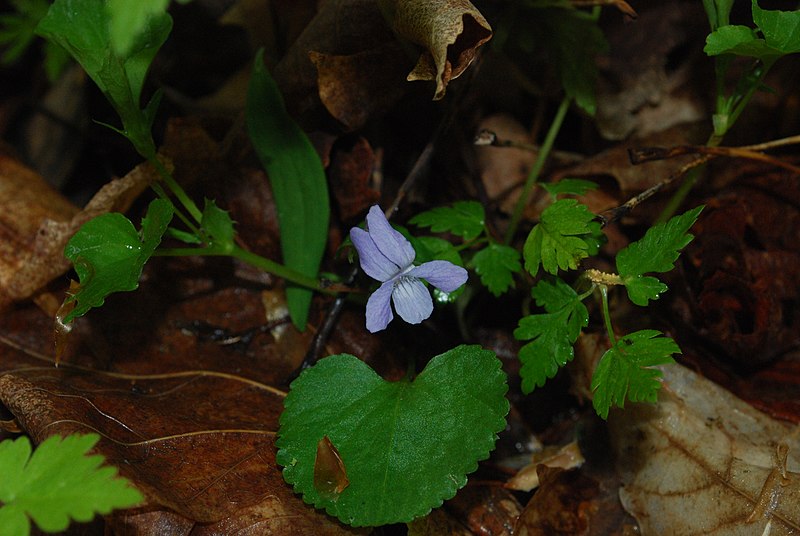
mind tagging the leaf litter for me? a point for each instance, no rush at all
(191, 419)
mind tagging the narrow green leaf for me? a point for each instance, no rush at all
(108, 254)
(558, 241)
(552, 333)
(405, 446)
(298, 184)
(496, 265)
(58, 482)
(625, 370)
(656, 251)
(464, 218)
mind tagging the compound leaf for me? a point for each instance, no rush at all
(625, 370)
(56, 483)
(656, 251)
(496, 265)
(464, 218)
(559, 240)
(405, 446)
(108, 254)
(552, 334)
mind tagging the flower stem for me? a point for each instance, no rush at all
(533, 175)
(607, 314)
(176, 189)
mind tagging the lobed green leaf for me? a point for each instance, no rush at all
(496, 265)
(405, 446)
(625, 370)
(57, 483)
(553, 333)
(656, 251)
(464, 218)
(108, 254)
(218, 226)
(298, 184)
(559, 240)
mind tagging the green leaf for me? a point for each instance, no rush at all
(656, 251)
(496, 265)
(57, 483)
(718, 12)
(464, 218)
(432, 248)
(298, 184)
(781, 29)
(108, 254)
(552, 334)
(17, 29)
(625, 370)
(558, 241)
(739, 40)
(128, 19)
(218, 227)
(568, 187)
(406, 446)
(575, 39)
(82, 28)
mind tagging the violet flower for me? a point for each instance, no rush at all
(387, 256)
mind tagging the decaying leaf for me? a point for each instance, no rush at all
(330, 474)
(568, 456)
(703, 461)
(450, 31)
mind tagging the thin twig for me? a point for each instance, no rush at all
(616, 213)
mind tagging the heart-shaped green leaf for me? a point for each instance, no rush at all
(406, 446)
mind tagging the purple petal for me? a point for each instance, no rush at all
(392, 244)
(373, 262)
(443, 275)
(379, 312)
(412, 300)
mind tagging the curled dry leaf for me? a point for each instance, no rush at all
(704, 462)
(568, 456)
(450, 31)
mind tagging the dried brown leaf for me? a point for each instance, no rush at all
(703, 461)
(450, 31)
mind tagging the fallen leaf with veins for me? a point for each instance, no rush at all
(188, 414)
(703, 461)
